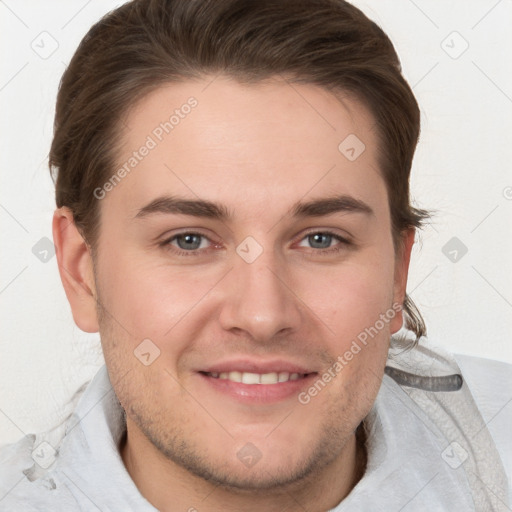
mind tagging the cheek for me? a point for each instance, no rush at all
(352, 297)
(142, 307)
(137, 298)
(148, 299)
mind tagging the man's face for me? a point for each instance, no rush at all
(259, 296)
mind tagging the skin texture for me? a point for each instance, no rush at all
(257, 149)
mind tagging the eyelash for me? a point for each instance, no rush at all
(198, 252)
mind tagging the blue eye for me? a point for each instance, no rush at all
(189, 242)
(321, 239)
(196, 244)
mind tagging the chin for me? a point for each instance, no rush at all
(272, 466)
(263, 476)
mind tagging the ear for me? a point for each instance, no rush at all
(75, 269)
(402, 260)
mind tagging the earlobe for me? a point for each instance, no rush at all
(75, 269)
(403, 258)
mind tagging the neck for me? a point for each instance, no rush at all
(169, 487)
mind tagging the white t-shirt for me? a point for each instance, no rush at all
(429, 448)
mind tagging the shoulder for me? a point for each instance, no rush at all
(26, 467)
(490, 383)
(17, 490)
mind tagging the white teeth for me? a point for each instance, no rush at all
(268, 378)
(250, 378)
(235, 376)
(257, 378)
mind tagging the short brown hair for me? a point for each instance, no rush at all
(144, 44)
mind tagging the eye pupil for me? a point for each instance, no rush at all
(317, 238)
(189, 239)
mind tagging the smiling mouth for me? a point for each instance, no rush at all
(257, 378)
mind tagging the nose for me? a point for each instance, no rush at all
(260, 300)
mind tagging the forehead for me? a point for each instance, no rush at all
(254, 145)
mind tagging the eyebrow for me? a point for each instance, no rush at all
(211, 210)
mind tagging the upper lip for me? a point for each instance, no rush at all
(254, 366)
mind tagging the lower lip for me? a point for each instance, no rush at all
(258, 393)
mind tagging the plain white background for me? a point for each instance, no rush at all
(455, 55)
